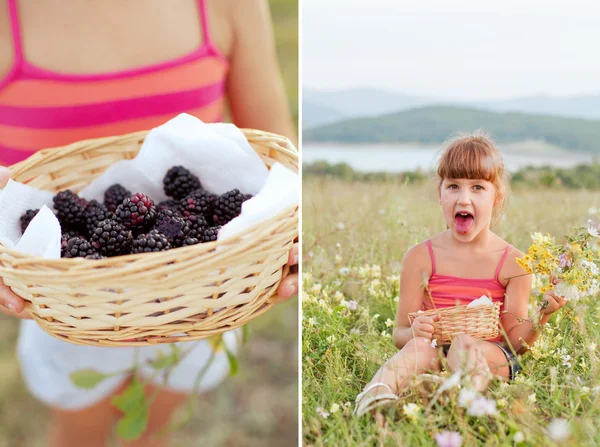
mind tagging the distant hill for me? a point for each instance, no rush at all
(355, 102)
(434, 124)
(318, 115)
(360, 101)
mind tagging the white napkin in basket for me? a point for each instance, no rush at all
(218, 154)
(483, 300)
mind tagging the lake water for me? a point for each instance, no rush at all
(391, 158)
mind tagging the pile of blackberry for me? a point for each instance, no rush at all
(129, 222)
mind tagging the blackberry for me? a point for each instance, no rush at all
(190, 241)
(210, 234)
(96, 212)
(114, 196)
(169, 204)
(194, 226)
(95, 256)
(198, 202)
(171, 225)
(78, 247)
(70, 210)
(179, 182)
(137, 212)
(228, 205)
(152, 241)
(26, 219)
(111, 238)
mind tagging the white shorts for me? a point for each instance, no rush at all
(46, 363)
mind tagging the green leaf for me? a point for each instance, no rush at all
(133, 424)
(165, 360)
(133, 403)
(245, 332)
(233, 361)
(87, 378)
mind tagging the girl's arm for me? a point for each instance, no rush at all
(256, 92)
(521, 332)
(414, 267)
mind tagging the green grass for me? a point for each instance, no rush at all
(355, 254)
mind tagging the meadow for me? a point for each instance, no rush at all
(257, 407)
(354, 237)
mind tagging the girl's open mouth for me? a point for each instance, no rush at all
(463, 222)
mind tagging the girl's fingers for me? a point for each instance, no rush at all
(288, 286)
(293, 255)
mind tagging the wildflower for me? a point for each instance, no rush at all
(452, 381)
(448, 439)
(338, 259)
(385, 334)
(316, 288)
(312, 321)
(411, 411)
(592, 211)
(375, 317)
(585, 390)
(340, 226)
(389, 323)
(519, 437)
(331, 339)
(592, 346)
(502, 402)
(433, 343)
(559, 430)
(466, 397)
(566, 290)
(338, 295)
(592, 231)
(565, 261)
(565, 360)
(344, 270)
(352, 305)
(482, 406)
(531, 398)
(396, 299)
(334, 408)
(321, 412)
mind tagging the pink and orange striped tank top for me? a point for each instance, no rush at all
(448, 291)
(40, 108)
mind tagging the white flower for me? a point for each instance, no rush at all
(466, 396)
(338, 259)
(592, 231)
(334, 408)
(312, 321)
(452, 381)
(433, 343)
(448, 439)
(559, 430)
(585, 390)
(396, 299)
(343, 302)
(502, 402)
(316, 288)
(531, 398)
(411, 411)
(565, 360)
(331, 339)
(569, 292)
(321, 412)
(344, 270)
(482, 406)
(385, 334)
(352, 305)
(591, 266)
(592, 346)
(340, 226)
(592, 211)
(354, 331)
(389, 323)
(375, 317)
(519, 437)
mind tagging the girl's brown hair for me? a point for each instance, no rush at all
(475, 156)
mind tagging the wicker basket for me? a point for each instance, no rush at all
(477, 321)
(182, 294)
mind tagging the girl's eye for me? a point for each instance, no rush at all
(452, 186)
(478, 187)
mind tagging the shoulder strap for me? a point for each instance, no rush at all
(502, 262)
(431, 256)
(204, 20)
(16, 30)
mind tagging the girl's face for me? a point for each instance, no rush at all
(467, 206)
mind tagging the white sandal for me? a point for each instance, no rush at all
(366, 405)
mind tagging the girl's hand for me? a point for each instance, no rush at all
(289, 285)
(552, 302)
(423, 326)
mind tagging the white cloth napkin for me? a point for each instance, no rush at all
(218, 154)
(483, 300)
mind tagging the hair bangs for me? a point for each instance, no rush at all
(470, 159)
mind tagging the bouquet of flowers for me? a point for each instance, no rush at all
(574, 263)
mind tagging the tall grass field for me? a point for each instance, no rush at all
(354, 237)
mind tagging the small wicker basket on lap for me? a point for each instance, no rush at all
(477, 321)
(182, 294)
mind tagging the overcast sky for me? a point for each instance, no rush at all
(459, 49)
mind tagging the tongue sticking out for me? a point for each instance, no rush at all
(463, 224)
